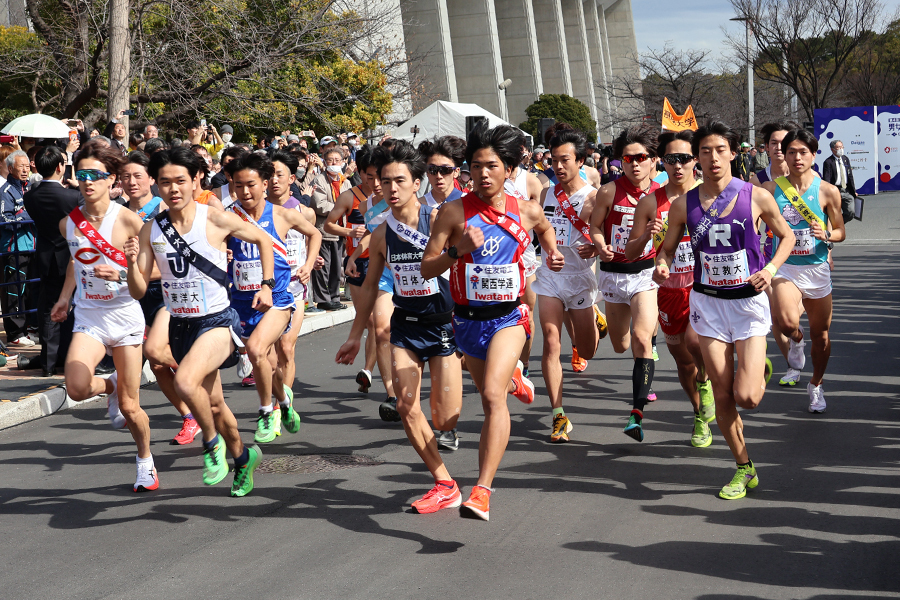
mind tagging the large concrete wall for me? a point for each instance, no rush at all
(12, 12)
(461, 50)
(476, 54)
(519, 55)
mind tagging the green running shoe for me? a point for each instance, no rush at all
(634, 429)
(215, 463)
(655, 354)
(790, 378)
(289, 417)
(743, 479)
(769, 370)
(243, 476)
(702, 435)
(707, 401)
(276, 420)
(265, 427)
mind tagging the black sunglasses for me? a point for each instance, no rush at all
(683, 159)
(442, 169)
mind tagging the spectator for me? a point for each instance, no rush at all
(740, 166)
(151, 132)
(135, 142)
(95, 132)
(762, 158)
(326, 188)
(12, 209)
(154, 145)
(33, 175)
(227, 135)
(49, 203)
(327, 143)
(115, 132)
(838, 172)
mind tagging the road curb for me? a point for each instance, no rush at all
(53, 400)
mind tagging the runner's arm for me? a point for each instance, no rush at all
(341, 208)
(141, 261)
(451, 217)
(587, 251)
(765, 203)
(300, 223)
(242, 230)
(598, 216)
(677, 215)
(645, 226)
(832, 207)
(365, 298)
(545, 233)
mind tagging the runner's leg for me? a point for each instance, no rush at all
(128, 361)
(529, 298)
(288, 343)
(619, 318)
(384, 308)
(719, 360)
(446, 391)
(259, 345)
(687, 369)
(819, 313)
(157, 351)
(85, 353)
(192, 381)
(552, 315)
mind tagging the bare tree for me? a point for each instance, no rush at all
(805, 44)
(874, 77)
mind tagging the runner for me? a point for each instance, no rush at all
(348, 209)
(301, 251)
(673, 296)
(728, 311)
(107, 318)
(444, 157)
(261, 330)
(812, 208)
(627, 285)
(571, 291)
(421, 331)
(526, 186)
(136, 183)
(486, 233)
(187, 244)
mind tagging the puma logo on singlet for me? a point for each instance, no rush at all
(742, 223)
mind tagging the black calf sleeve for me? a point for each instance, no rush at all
(641, 380)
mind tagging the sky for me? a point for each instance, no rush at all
(696, 24)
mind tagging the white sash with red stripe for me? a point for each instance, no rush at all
(277, 245)
(563, 199)
(96, 240)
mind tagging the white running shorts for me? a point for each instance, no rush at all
(575, 290)
(813, 281)
(730, 320)
(123, 326)
(620, 288)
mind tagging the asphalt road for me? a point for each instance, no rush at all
(600, 517)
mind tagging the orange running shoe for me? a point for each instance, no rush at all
(478, 505)
(441, 496)
(524, 388)
(189, 430)
(147, 480)
(578, 363)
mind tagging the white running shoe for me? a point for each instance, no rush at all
(796, 357)
(22, 342)
(790, 378)
(244, 368)
(816, 398)
(112, 404)
(147, 479)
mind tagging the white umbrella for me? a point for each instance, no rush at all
(37, 126)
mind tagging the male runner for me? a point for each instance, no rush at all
(284, 167)
(261, 330)
(673, 297)
(486, 233)
(572, 290)
(812, 208)
(107, 317)
(421, 331)
(350, 208)
(136, 183)
(187, 245)
(728, 310)
(444, 157)
(627, 284)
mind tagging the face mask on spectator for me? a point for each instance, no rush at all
(335, 169)
(840, 151)
(301, 173)
(226, 137)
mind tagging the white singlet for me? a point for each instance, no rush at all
(295, 243)
(519, 189)
(567, 237)
(187, 291)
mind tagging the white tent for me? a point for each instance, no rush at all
(444, 118)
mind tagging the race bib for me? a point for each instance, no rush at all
(492, 283)
(185, 297)
(95, 288)
(724, 270)
(621, 231)
(293, 252)
(683, 261)
(561, 227)
(409, 283)
(805, 244)
(247, 275)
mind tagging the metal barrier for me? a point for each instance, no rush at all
(13, 275)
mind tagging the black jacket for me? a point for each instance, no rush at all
(48, 204)
(830, 173)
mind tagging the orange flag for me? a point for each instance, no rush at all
(675, 122)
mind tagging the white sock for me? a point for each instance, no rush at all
(145, 461)
(266, 409)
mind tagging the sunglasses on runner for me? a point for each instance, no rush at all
(681, 159)
(442, 169)
(91, 175)
(630, 158)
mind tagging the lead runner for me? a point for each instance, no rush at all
(485, 234)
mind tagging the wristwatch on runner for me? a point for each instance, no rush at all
(123, 276)
(452, 253)
(268, 282)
